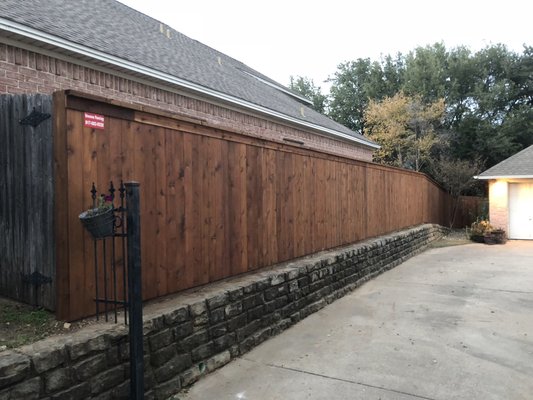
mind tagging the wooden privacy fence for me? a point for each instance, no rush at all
(469, 209)
(213, 203)
(27, 264)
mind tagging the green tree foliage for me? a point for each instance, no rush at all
(522, 76)
(306, 87)
(354, 84)
(492, 121)
(425, 73)
(488, 95)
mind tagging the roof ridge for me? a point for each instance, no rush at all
(513, 165)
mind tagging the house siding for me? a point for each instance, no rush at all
(499, 204)
(24, 71)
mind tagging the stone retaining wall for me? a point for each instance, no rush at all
(193, 333)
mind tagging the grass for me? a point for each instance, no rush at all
(13, 315)
(21, 324)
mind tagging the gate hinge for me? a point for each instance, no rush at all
(36, 278)
(34, 118)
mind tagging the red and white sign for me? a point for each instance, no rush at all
(95, 121)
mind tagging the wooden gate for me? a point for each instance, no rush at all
(27, 260)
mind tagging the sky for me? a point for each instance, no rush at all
(310, 38)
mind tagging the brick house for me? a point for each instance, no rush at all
(105, 48)
(511, 194)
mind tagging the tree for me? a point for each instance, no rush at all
(522, 76)
(357, 82)
(393, 75)
(405, 128)
(488, 95)
(493, 122)
(456, 176)
(307, 89)
(461, 80)
(426, 73)
(348, 96)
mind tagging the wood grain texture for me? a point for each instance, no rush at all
(26, 201)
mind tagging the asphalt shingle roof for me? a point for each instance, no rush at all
(521, 164)
(118, 30)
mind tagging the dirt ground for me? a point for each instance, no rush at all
(456, 237)
(21, 324)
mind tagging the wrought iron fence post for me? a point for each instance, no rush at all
(135, 294)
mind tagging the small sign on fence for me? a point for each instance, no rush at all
(95, 121)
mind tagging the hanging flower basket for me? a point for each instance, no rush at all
(100, 224)
(100, 221)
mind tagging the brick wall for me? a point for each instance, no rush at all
(23, 71)
(197, 332)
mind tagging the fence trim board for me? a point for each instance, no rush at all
(61, 205)
(74, 96)
(80, 101)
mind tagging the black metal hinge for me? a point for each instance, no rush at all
(36, 278)
(34, 118)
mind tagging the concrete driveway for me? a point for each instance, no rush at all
(451, 323)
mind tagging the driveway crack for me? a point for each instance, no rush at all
(341, 380)
(464, 286)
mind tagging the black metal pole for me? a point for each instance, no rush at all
(97, 301)
(135, 291)
(105, 278)
(113, 255)
(122, 191)
(114, 268)
(95, 250)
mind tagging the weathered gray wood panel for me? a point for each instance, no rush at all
(26, 201)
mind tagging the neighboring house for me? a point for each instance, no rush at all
(106, 48)
(511, 194)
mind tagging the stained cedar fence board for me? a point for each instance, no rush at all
(26, 201)
(469, 209)
(214, 203)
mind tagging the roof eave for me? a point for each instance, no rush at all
(44, 37)
(487, 177)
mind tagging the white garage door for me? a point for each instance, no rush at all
(521, 210)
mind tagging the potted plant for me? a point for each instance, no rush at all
(100, 220)
(495, 236)
(478, 230)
